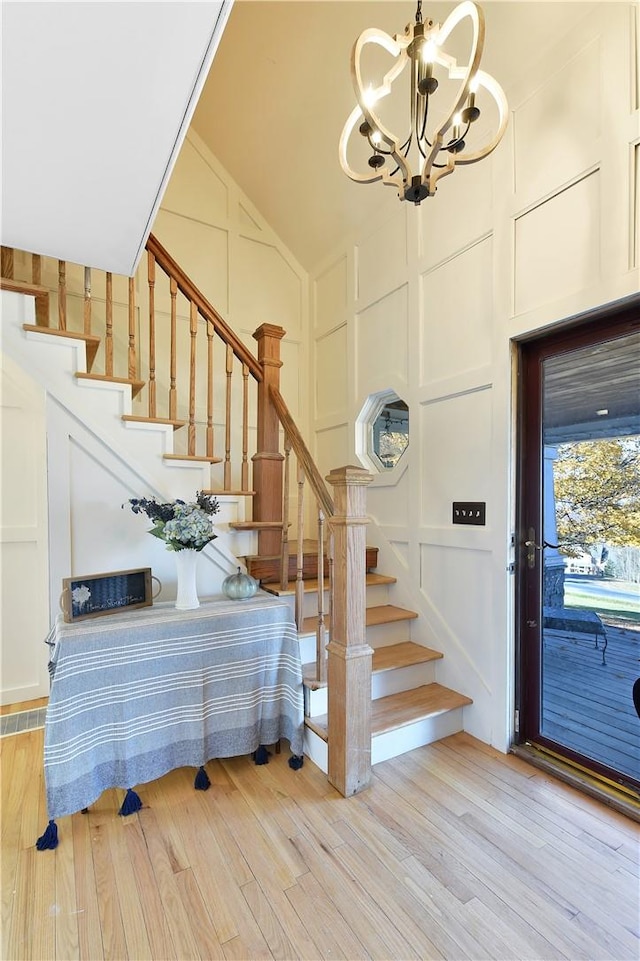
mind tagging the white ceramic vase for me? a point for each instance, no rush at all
(186, 564)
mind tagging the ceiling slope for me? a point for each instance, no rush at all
(96, 100)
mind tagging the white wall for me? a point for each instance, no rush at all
(427, 300)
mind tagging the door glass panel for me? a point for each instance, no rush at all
(590, 552)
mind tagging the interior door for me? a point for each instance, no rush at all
(578, 593)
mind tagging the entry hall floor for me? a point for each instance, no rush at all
(455, 851)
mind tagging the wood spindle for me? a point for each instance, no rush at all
(193, 331)
(86, 308)
(227, 438)
(299, 607)
(132, 363)
(42, 303)
(7, 262)
(244, 472)
(62, 295)
(321, 640)
(36, 269)
(108, 337)
(210, 336)
(151, 274)
(284, 549)
(173, 398)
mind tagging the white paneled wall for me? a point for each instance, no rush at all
(427, 302)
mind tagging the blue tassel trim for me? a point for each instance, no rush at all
(261, 756)
(296, 761)
(49, 839)
(202, 782)
(131, 803)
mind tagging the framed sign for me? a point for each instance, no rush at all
(93, 595)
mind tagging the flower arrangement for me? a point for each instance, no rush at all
(180, 525)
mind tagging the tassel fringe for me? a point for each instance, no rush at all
(49, 839)
(296, 761)
(131, 803)
(261, 756)
(202, 782)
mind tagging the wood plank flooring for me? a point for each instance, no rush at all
(455, 851)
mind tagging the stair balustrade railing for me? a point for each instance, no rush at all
(186, 378)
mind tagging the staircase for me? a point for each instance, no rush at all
(409, 707)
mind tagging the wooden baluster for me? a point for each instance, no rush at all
(62, 295)
(193, 330)
(7, 262)
(42, 304)
(151, 272)
(173, 399)
(108, 339)
(299, 608)
(210, 336)
(227, 439)
(133, 361)
(284, 550)
(244, 473)
(36, 269)
(86, 308)
(321, 639)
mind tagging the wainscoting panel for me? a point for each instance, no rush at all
(382, 344)
(557, 246)
(330, 296)
(457, 304)
(331, 378)
(275, 297)
(459, 213)
(567, 109)
(204, 247)
(198, 192)
(333, 448)
(456, 454)
(382, 259)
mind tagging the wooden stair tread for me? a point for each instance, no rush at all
(404, 654)
(397, 710)
(23, 287)
(193, 457)
(310, 585)
(382, 614)
(91, 341)
(236, 493)
(256, 526)
(136, 385)
(135, 419)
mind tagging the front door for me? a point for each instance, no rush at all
(578, 596)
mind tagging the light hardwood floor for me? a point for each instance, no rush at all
(455, 851)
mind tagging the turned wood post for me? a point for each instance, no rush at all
(267, 461)
(349, 655)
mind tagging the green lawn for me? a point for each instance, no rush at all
(615, 607)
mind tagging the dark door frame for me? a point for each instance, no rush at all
(614, 320)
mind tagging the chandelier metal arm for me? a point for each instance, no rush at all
(450, 134)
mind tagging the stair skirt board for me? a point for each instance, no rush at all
(392, 743)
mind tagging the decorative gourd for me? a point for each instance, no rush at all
(239, 586)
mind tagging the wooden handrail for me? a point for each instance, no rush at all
(205, 309)
(302, 453)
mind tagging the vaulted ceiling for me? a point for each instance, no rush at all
(279, 92)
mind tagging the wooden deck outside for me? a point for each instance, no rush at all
(587, 706)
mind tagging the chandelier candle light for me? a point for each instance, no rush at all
(433, 150)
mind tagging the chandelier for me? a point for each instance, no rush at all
(431, 149)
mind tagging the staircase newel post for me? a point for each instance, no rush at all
(268, 461)
(348, 654)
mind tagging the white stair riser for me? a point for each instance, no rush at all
(402, 679)
(393, 743)
(382, 684)
(308, 648)
(382, 635)
(316, 750)
(376, 594)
